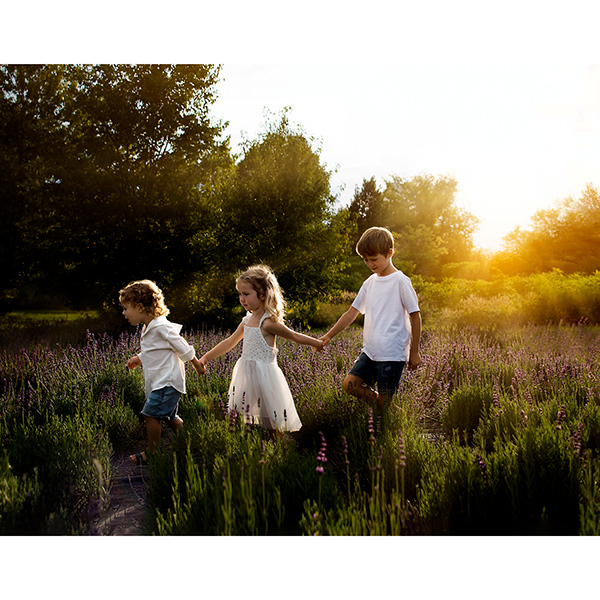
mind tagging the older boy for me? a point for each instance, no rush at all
(392, 327)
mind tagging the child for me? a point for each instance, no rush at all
(163, 352)
(258, 388)
(391, 309)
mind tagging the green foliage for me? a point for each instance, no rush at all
(589, 515)
(103, 165)
(64, 410)
(508, 302)
(466, 406)
(564, 237)
(17, 496)
(276, 208)
(366, 210)
(527, 486)
(71, 460)
(231, 480)
(431, 230)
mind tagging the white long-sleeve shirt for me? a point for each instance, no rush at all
(163, 352)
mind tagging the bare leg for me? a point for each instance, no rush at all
(356, 387)
(176, 424)
(153, 432)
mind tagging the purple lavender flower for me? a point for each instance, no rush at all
(577, 439)
(345, 445)
(482, 467)
(322, 455)
(370, 427)
(402, 451)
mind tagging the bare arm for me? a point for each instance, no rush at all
(414, 359)
(283, 331)
(223, 346)
(344, 321)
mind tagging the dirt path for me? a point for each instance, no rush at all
(127, 511)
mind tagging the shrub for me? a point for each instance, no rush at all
(17, 496)
(464, 410)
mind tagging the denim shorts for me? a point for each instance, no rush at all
(385, 373)
(162, 404)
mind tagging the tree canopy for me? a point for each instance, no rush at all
(565, 237)
(117, 172)
(276, 208)
(431, 231)
(104, 166)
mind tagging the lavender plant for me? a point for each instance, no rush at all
(528, 399)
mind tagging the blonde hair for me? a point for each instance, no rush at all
(263, 281)
(375, 240)
(147, 294)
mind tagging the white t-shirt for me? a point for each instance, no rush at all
(163, 353)
(386, 303)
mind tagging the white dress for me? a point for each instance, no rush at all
(258, 391)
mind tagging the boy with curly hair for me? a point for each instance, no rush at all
(162, 356)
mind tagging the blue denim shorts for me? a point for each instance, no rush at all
(386, 374)
(162, 404)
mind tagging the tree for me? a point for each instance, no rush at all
(277, 209)
(564, 237)
(432, 231)
(32, 141)
(366, 209)
(122, 199)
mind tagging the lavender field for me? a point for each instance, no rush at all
(496, 433)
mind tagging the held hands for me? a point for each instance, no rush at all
(199, 366)
(134, 362)
(324, 341)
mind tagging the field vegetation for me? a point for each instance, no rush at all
(497, 433)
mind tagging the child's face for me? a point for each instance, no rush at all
(135, 314)
(248, 297)
(380, 264)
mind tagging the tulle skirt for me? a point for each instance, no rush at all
(261, 395)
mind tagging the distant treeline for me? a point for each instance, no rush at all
(110, 173)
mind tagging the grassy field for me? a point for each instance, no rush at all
(497, 433)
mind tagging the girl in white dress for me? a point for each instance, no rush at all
(258, 389)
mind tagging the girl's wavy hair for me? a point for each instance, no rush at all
(263, 281)
(146, 293)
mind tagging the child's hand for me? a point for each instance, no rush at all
(319, 348)
(134, 362)
(199, 366)
(414, 361)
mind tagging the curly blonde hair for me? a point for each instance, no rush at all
(265, 284)
(147, 294)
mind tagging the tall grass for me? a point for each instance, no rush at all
(498, 432)
(512, 301)
(63, 411)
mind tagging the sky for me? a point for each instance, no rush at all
(516, 137)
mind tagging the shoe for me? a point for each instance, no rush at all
(138, 459)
